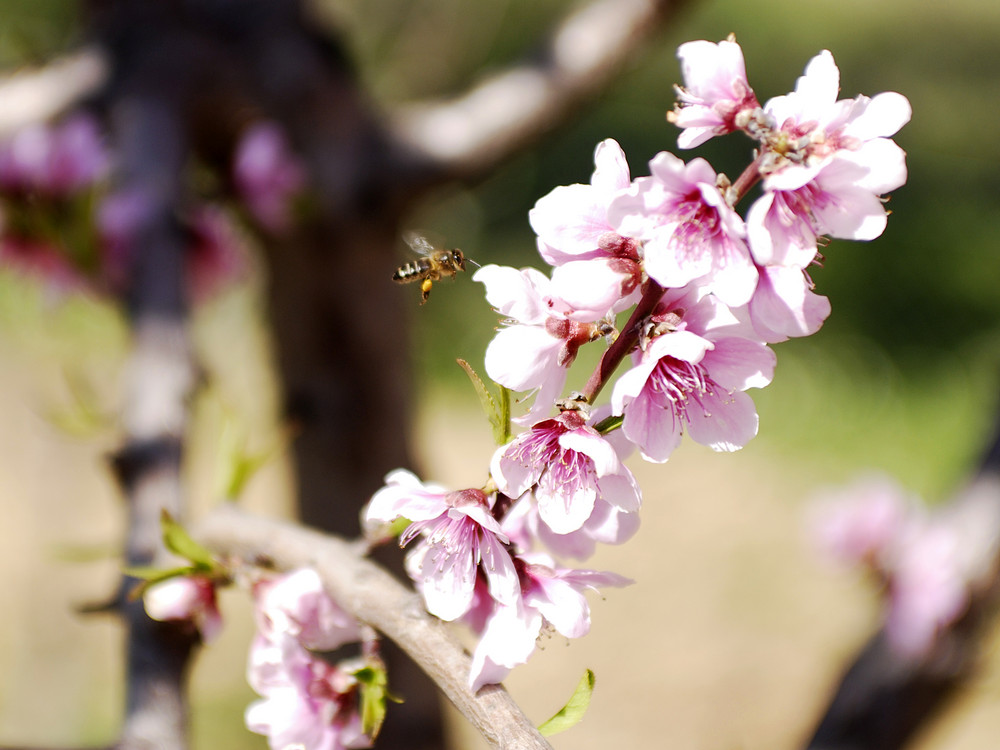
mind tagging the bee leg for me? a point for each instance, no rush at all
(425, 290)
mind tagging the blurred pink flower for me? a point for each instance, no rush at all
(306, 702)
(186, 598)
(54, 160)
(295, 604)
(267, 175)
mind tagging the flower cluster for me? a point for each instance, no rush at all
(466, 566)
(706, 291)
(928, 564)
(66, 221)
(307, 700)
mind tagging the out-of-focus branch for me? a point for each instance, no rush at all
(36, 95)
(885, 696)
(373, 596)
(481, 128)
(151, 146)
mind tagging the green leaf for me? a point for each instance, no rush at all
(374, 682)
(498, 414)
(236, 465)
(609, 424)
(177, 540)
(83, 416)
(571, 714)
(501, 431)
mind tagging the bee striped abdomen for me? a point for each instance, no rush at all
(412, 271)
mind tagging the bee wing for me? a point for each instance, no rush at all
(418, 243)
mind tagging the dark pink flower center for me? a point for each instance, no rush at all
(698, 224)
(676, 385)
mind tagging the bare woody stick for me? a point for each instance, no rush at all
(158, 381)
(375, 597)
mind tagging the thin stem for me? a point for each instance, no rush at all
(625, 342)
(749, 177)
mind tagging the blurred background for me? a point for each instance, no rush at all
(734, 631)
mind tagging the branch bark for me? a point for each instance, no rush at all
(373, 596)
(151, 147)
(478, 130)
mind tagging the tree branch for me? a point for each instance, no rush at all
(373, 596)
(36, 95)
(151, 148)
(481, 128)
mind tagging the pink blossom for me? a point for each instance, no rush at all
(689, 232)
(216, 255)
(861, 522)
(553, 598)
(785, 306)
(928, 588)
(307, 702)
(715, 91)
(458, 538)
(811, 124)
(185, 598)
(570, 466)
(541, 339)
(571, 221)
(826, 163)
(607, 524)
(296, 605)
(55, 160)
(597, 269)
(267, 175)
(929, 563)
(836, 197)
(691, 376)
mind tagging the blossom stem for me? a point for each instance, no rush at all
(625, 342)
(747, 179)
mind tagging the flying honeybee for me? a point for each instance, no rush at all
(433, 264)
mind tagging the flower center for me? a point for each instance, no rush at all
(677, 385)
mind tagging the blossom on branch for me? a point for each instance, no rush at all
(715, 91)
(185, 598)
(825, 165)
(297, 605)
(570, 466)
(552, 598)
(689, 231)
(306, 701)
(54, 160)
(690, 376)
(542, 338)
(596, 268)
(458, 537)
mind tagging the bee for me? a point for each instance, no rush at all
(433, 264)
